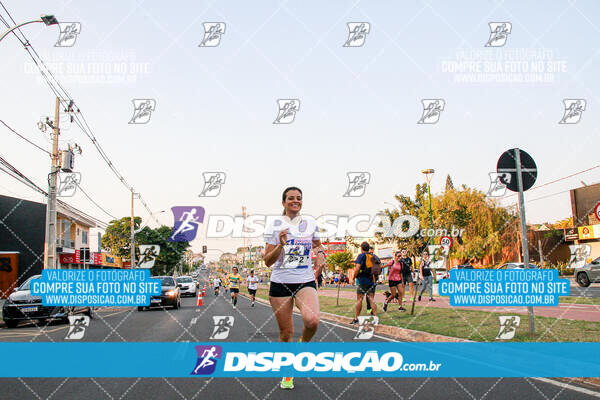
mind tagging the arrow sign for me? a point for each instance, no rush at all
(507, 164)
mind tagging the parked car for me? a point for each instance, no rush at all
(170, 294)
(22, 306)
(515, 265)
(187, 285)
(588, 274)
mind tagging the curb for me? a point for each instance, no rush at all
(401, 334)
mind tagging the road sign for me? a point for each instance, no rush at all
(446, 241)
(523, 173)
(507, 164)
(597, 211)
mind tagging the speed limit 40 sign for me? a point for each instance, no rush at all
(446, 241)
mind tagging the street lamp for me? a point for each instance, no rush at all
(46, 19)
(428, 176)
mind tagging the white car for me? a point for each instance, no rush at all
(186, 285)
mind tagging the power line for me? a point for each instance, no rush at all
(556, 180)
(24, 138)
(18, 175)
(62, 94)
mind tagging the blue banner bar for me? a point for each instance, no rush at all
(261, 359)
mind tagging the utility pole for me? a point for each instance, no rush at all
(50, 243)
(131, 225)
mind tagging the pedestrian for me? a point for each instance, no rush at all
(252, 286)
(377, 260)
(395, 282)
(407, 278)
(367, 281)
(289, 241)
(425, 268)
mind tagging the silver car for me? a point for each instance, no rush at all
(588, 274)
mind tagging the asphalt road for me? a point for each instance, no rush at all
(194, 324)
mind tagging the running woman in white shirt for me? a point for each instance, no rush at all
(289, 242)
(252, 286)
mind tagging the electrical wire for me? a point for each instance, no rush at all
(67, 101)
(24, 138)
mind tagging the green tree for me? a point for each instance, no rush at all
(449, 184)
(117, 238)
(171, 253)
(486, 228)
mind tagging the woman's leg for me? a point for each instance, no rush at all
(283, 307)
(307, 301)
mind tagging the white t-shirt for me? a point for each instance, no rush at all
(217, 282)
(252, 282)
(294, 264)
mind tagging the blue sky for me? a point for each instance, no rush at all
(359, 106)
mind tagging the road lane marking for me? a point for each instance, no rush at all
(569, 386)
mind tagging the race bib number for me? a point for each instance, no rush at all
(294, 256)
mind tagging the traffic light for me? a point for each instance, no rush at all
(204, 249)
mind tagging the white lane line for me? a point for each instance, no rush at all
(565, 385)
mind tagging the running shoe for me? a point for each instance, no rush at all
(401, 308)
(419, 298)
(252, 304)
(354, 321)
(287, 383)
(385, 306)
(432, 299)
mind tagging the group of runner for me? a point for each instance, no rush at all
(290, 242)
(400, 275)
(232, 282)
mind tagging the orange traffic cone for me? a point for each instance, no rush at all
(199, 301)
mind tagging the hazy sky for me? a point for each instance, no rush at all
(359, 106)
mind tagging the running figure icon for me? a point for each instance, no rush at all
(186, 224)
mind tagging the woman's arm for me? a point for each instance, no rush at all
(272, 252)
(320, 256)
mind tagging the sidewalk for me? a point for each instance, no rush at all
(584, 312)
